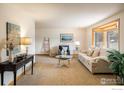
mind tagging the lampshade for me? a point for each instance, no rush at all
(77, 43)
(25, 40)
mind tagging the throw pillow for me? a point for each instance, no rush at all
(96, 52)
(90, 52)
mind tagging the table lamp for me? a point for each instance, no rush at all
(26, 41)
(77, 43)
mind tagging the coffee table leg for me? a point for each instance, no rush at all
(69, 62)
(59, 62)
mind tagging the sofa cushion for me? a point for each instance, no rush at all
(90, 52)
(96, 52)
(103, 52)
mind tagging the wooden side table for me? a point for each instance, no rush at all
(7, 66)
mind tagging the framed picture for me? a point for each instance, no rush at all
(66, 37)
(12, 27)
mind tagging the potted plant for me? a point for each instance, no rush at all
(117, 65)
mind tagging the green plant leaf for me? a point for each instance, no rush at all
(117, 60)
(115, 67)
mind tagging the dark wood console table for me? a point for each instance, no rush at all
(14, 66)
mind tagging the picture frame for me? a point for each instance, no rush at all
(10, 27)
(66, 37)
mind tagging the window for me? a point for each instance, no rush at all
(112, 39)
(106, 36)
(98, 39)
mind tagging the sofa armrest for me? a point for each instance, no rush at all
(101, 58)
(101, 66)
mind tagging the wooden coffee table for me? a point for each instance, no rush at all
(64, 57)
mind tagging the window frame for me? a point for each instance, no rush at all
(105, 28)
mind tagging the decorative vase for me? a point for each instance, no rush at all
(11, 57)
(65, 53)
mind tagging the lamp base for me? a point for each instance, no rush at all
(26, 51)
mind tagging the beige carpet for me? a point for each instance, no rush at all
(47, 72)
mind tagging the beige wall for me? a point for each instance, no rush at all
(27, 25)
(114, 17)
(54, 35)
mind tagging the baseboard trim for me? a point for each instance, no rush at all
(19, 76)
(52, 56)
(41, 54)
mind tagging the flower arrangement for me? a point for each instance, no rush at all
(13, 40)
(9, 44)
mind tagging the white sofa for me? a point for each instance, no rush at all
(97, 64)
